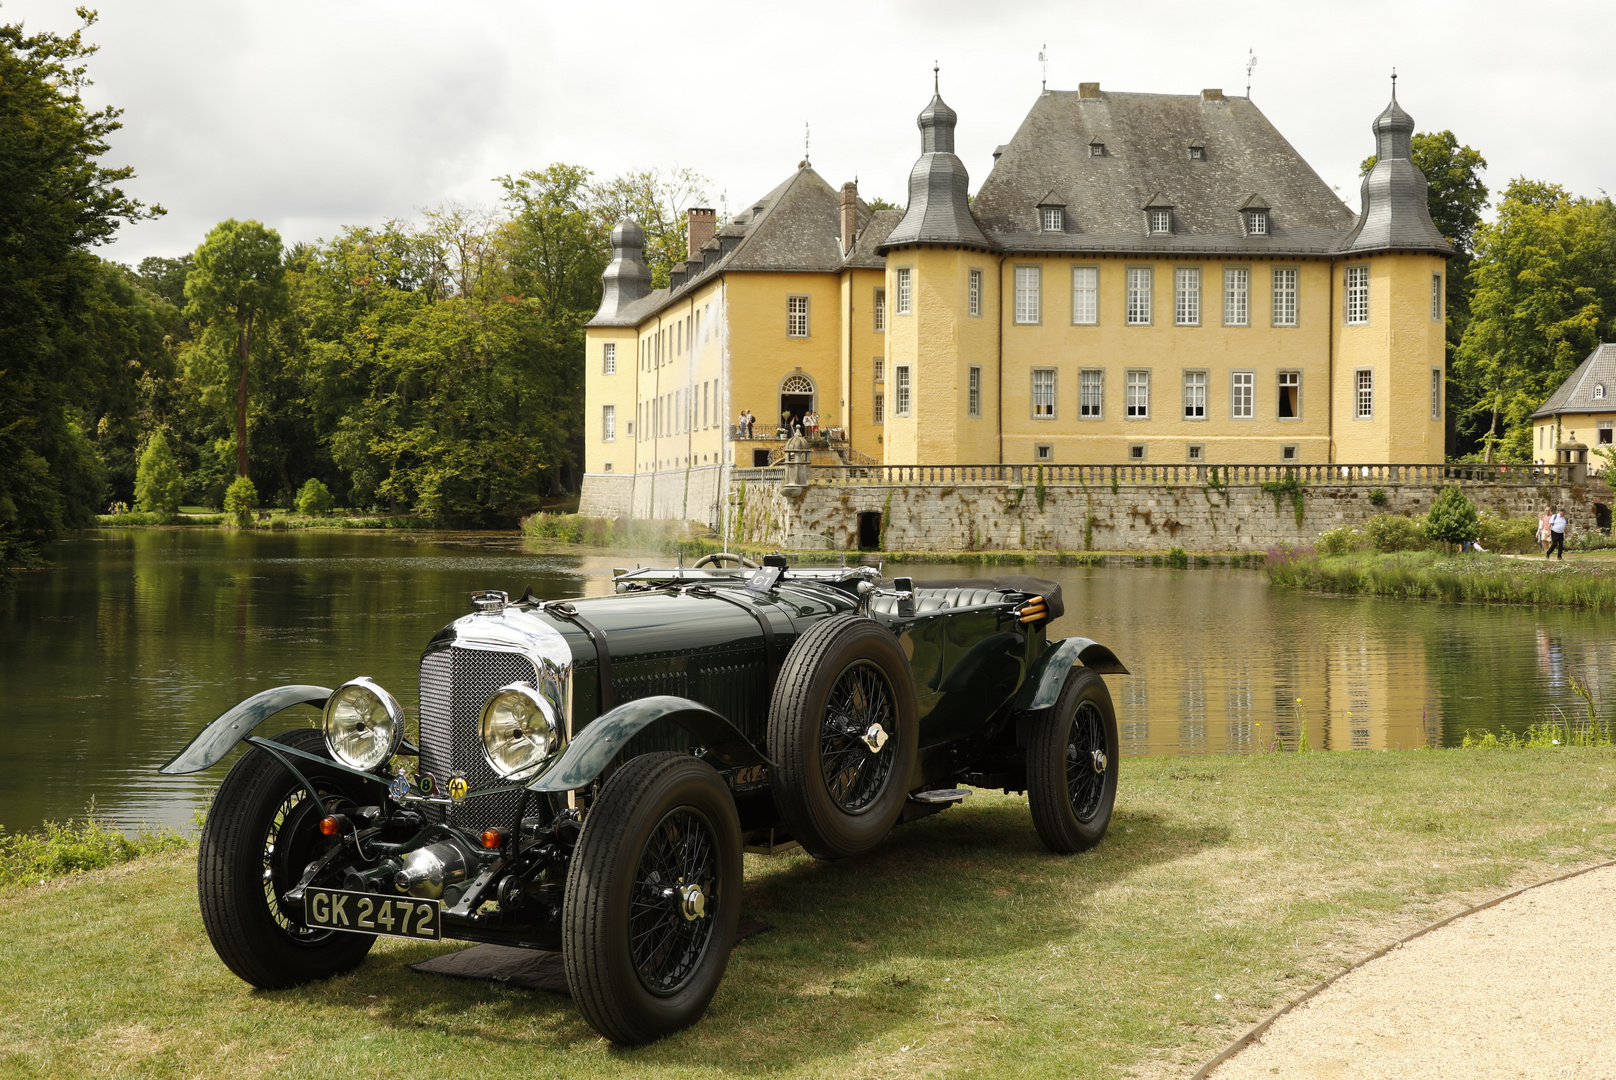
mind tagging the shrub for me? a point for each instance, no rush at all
(1339, 541)
(1393, 532)
(1452, 519)
(240, 501)
(158, 484)
(1498, 533)
(315, 499)
(1377, 497)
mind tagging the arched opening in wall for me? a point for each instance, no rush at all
(869, 530)
(1602, 517)
(796, 400)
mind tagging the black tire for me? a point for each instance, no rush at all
(261, 833)
(643, 960)
(1069, 788)
(839, 797)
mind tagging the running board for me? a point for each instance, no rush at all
(941, 795)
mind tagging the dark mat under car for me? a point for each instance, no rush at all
(531, 969)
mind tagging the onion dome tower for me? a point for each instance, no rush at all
(938, 211)
(627, 278)
(1393, 214)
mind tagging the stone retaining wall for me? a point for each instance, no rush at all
(1197, 518)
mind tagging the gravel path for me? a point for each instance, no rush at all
(1523, 989)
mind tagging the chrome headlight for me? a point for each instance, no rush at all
(519, 729)
(363, 724)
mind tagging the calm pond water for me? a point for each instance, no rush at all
(113, 659)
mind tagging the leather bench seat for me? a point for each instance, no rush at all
(940, 599)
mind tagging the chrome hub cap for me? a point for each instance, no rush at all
(692, 903)
(875, 737)
(1099, 761)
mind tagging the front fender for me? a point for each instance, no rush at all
(1048, 672)
(218, 738)
(588, 754)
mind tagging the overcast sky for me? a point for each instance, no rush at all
(312, 114)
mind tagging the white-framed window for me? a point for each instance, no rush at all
(1599, 391)
(1187, 296)
(1436, 393)
(1139, 295)
(1195, 395)
(1290, 395)
(905, 289)
(1053, 219)
(1236, 296)
(608, 423)
(1607, 435)
(796, 316)
(900, 402)
(974, 289)
(1436, 297)
(1195, 452)
(1285, 296)
(1161, 222)
(1256, 223)
(973, 390)
(879, 306)
(1043, 393)
(1357, 295)
(1043, 452)
(1138, 395)
(880, 369)
(706, 321)
(1028, 280)
(1363, 380)
(1085, 295)
(608, 358)
(880, 407)
(1243, 395)
(1091, 394)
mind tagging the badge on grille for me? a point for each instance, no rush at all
(400, 786)
(426, 784)
(457, 788)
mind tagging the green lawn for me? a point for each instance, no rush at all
(1227, 886)
(1583, 580)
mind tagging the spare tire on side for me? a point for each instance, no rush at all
(844, 734)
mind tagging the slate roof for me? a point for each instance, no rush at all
(939, 209)
(1576, 394)
(797, 226)
(1147, 159)
(865, 254)
(1395, 215)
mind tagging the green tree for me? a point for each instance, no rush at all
(314, 499)
(1544, 283)
(157, 483)
(237, 285)
(1453, 518)
(240, 501)
(56, 202)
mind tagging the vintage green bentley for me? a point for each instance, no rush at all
(588, 773)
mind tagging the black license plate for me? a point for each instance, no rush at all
(368, 913)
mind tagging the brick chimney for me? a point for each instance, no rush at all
(1088, 91)
(849, 215)
(703, 223)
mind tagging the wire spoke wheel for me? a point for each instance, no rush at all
(1086, 759)
(858, 709)
(670, 920)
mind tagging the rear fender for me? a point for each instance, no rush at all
(220, 737)
(1049, 671)
(587, 756)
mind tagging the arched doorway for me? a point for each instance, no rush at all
(796, 400)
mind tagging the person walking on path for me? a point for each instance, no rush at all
(1557, 529)
(1543, 537)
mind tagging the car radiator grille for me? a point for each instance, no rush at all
(454, 684)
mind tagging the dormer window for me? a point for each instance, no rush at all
(1599, 391)
(1096, 148)
(1052, 218)
(1197, 151)
(1256, 223)
(1161, 222)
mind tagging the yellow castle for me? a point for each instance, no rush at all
(1142, 278)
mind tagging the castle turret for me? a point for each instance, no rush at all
(627, 278)
(939, 211)
(1393, 214)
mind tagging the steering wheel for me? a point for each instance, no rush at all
(719, 558)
